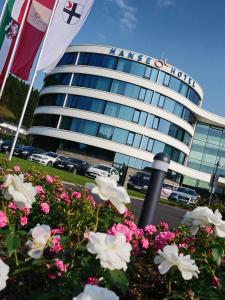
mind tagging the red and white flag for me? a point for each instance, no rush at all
(69, 17)
(8, 32)
(32, 35)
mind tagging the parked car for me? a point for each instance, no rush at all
(185, 195)
(1, 141)
(139, 181)
(167, 189)
(26, 151)
(74, 165)
(7, 145)
(102, 170)
(47, 158)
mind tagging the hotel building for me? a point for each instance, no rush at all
(106, 104)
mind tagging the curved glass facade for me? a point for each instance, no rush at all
(116, 110)
(125, 89)
(133, 68)
(112, 133)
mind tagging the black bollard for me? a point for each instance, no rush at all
(159, 169)
(123, 174)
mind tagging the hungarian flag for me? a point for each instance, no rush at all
(32, 35)
(68, 19)
(8, 32)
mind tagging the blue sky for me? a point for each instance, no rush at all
(190, 34)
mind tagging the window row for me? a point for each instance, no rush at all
(108, 132)
(118, 111)
(134, 68)
(210, 134)
(125, 89)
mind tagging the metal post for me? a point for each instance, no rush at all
(160, 167)
(213, 182)
(3, 11)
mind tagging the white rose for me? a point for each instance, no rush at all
(200, 216)
(168, 257)
(219, 224)
(107, 189)
(113, 251)
(41, 235)
(93, 292)
(4, 270)
(23, 193)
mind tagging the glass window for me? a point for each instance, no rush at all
(58, 79)
(143, 117)
(137, 140)
(137, 69)
(222, 142)
(155, 123)
(181, 158)
(207, 168)
(155, 99)
(144, 143)
(126, 113)
(132, 162)
(175, 155)
(154, 75)
(158, 147)
(193, 96)
(148, 96)
(169, 104)
(187, 138)
(178, 110)
(66, 123)
(132, 91)
(112, 109)
(197, 150)
(161, 101)
(138, 164)
(148, 71)
(121, 158)
(164, 126)
(142, 94)
(210, 153)
(68, 59)
(124, 65)
(173, 130)
(183, 88)
(118, 87)
(150, 145)
(168, 150)
(161, 77)
(186, 114)
(105, 131)
(130, 138)
(214, 135)
(174, 84)
(167, 80)
(136, 116)
(150, 120)
(180, 134)
(103, 84)
(120, 135)
(201, 132)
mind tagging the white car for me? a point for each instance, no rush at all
(102, 170)
(167, 189)
(47, 158)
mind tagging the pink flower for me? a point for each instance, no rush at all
(144, 243)
(163, 238)
(128, 214)
(122, 229)
(92, 280)
(150, 229)
(131, 225)
(208, 230)
(16, 169)
(45, 207)
(56, 246)
(49, 179)
(138, 233)
(216, 282)
(39, 189)
(57, 231)
(60, 265)
(26, 210)
(3, 219)
(64, 196)
(52, 276)
(183, 245)
(92, 200)
(12, 205)
(164, 226)
(23, 220)
(76, 195)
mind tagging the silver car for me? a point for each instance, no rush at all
(185, 195)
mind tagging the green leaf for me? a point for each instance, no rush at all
(12, 242)
(119, 279)
(217, 254)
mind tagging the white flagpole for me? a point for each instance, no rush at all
(3, 11)
(14, 48)
(31, 85)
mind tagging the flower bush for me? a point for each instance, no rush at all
(59, 243)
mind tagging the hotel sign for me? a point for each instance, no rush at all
(158, 63)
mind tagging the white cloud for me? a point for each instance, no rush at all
(128, 20)
(165, 3)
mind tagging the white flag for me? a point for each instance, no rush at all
(68, 19)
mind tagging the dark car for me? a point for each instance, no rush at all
(26, 151)
(139, 181)
(7, 145)
(74, 165)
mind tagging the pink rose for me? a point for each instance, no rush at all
(144, 243)
(3, 219)
(92, 280)
(12, 205)
(23, 220)
(39, 189)
(60, 265)
(150, 229)
(56, 246)
(49, 179)
(122, 229)
(65, 197)
(16, 169)
(57, 231)
(45, 207)
(76, 195)
(164, 226)
(216, 282)
(92, 200)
